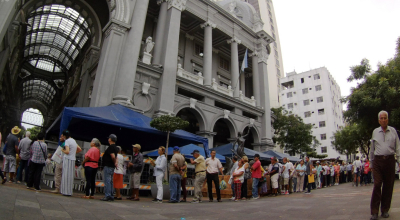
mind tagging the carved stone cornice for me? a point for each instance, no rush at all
(263, 57)
(234, 39)
(208, 23)
(190, 37)
(215, 51)
(116, 26)
(178, 4)
(254, 54)
(159, 2)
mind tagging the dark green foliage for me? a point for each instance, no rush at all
(292, 134)
(375, 92)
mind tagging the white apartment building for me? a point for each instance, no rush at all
(315, 97)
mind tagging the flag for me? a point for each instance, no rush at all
(244, 63)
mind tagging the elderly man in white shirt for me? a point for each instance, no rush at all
(384, 145)
(160, 165)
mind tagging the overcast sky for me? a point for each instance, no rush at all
(336, 34)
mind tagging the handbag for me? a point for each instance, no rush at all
(44, 154)
(5, 149)
(311, 178)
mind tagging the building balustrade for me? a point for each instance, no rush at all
(243, 98)
(197, 78)
(227, 91)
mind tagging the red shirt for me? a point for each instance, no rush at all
(366, 168)
(256, 170)
(94, 156)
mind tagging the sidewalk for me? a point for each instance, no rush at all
(338, 202)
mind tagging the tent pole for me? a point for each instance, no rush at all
(166, 152)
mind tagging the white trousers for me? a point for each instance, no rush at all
(159, 181)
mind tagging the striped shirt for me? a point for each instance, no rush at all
(37, 153)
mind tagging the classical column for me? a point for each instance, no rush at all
(161, 22)
(256, 78)
(209, 135)
(235, 65)
(266, 127)
(187, 62)
(166, 90)
(8, 10)
(207, 56)
(123, 87)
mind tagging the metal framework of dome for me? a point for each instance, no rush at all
(55, 36)
(38, 89)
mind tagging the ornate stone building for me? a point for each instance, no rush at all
(179, 57)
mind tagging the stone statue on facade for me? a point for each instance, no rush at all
(232, 7)
(148, 47)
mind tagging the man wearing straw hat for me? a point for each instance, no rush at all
(11, 151)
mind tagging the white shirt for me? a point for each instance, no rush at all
(238, 170)
(213, 165)
(71, 143)
(325, 170)
(357, 164)
(290, 166)
(285, 173)
(120, 167)
(161, 165)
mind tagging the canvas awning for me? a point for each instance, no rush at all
(282, 155)
(86, 123)
(225, 150)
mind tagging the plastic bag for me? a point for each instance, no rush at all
(57, 156)
(222, 185)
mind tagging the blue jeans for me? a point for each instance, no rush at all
(255, 187)
(175, 187)
(233, 189)
(108, 181)
(23, 166)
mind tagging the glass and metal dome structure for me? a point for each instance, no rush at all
(55, 36)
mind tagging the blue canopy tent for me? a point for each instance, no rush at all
(86, 123)
(225, 150)
(186, 151)
(282, 155)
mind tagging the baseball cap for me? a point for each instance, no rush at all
(137, 146)
(176, 148)
(257, 155)
(195, 151)
(113, 137)
(318, 162)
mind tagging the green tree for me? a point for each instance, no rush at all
(351, 139)
(292, 134)
(34, 132)
(376, 91)
(167, 123)
(315, 155)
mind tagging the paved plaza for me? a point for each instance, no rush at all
(339, 202)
